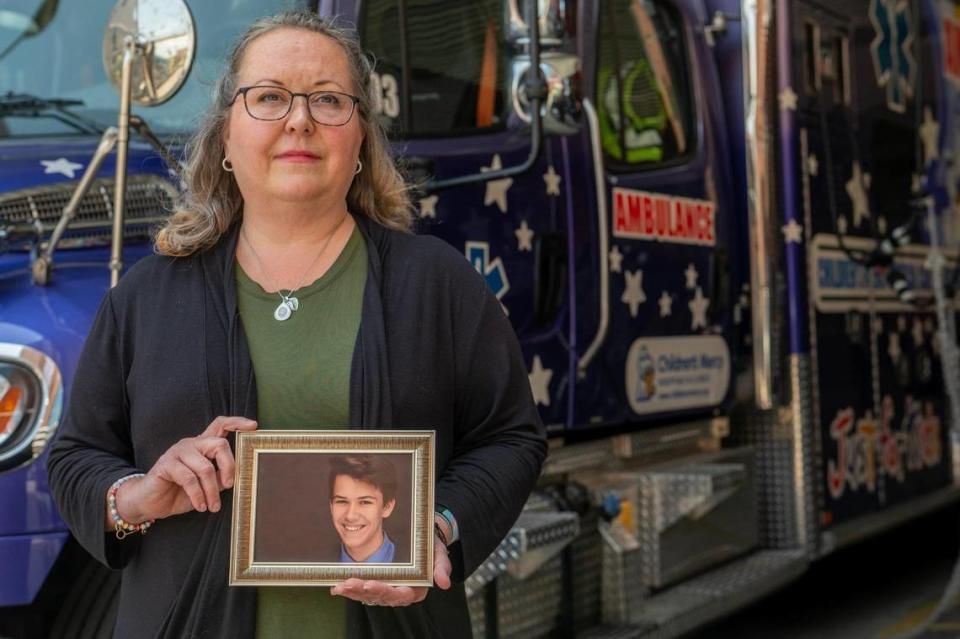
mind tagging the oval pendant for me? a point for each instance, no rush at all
(282, 313)
(293, 303)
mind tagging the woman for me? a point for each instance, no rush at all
(287, 294)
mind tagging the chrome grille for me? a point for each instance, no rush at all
(149, 199)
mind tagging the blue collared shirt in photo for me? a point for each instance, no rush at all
(384, 554)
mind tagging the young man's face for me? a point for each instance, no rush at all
(358, 512)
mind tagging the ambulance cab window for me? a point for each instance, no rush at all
(643, 96)
(455, 65)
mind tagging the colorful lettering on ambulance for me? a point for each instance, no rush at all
(913, 447)
(951, 47)
(641, 215)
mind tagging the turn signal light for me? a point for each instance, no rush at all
(11, 407)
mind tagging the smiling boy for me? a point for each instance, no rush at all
(363, 492)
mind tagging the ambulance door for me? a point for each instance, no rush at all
(654, 337)
(444, 70)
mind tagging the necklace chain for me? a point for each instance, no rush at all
(289, 303)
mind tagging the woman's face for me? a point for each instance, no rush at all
(358, 512)
(293, 159)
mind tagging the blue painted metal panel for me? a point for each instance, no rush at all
(26, 561)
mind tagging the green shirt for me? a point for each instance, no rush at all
(302, 367)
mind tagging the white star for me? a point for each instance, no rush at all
(552, 180)
(666, 304)
(633, 294)
(496, 189)
(540, 382)
(524, 237)
(930, 134)
(842, 224)
(917, 331)
(893, 347)
(691, 274)
(857, 190)
(698, 310)
(788, 100)
(792, 232)
(813, 166)
(616, 260)
(428, 206)
(63, 166)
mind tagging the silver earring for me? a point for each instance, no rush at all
(227, 165)
(359, 167)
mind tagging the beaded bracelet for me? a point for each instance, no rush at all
(122, 527)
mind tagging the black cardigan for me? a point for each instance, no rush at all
(167, 353)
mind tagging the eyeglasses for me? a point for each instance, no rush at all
(329, 108)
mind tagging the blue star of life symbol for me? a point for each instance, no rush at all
(478, 254)
(893, 60)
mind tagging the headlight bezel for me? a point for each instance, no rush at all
(39, 373)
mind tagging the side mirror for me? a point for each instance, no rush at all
(561, 110)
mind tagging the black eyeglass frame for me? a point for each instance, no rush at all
(354, 100)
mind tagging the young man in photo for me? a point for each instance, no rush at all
(363, 492)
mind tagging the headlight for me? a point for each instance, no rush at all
(31, 399)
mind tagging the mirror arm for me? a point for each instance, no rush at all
(143, 130)
(536, 88)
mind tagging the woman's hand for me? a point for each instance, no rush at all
(189, 476)
(377, 593)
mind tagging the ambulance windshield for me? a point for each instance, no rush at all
(52, 50)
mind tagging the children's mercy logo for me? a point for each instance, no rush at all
(478, 254)
(893, 60)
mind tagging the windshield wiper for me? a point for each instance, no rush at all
(31, 106)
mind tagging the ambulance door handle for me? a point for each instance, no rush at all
(720, 293)
(550, 277)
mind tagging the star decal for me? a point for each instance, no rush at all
(788, 99)
(857, 190)
(792, 232)
(666, 304)
(428, 206)
(917, 331)
(893, 347)
(496, 189)
(616, 260)
(930, 134)
(633, 295)
(813, 165)
(552, 180)
(698, 310)
(63, 166)
(540, 382)
(524, 237)
(691, 275)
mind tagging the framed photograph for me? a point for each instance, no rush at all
(313, 508)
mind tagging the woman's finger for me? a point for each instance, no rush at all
(441, 567)
(222, 425)
(175, 472)
(203, 469)
(218, 449)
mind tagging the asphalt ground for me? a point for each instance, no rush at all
(878, 589)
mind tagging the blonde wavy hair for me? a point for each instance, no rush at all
(212, 201)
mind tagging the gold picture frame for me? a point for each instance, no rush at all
(293, 481)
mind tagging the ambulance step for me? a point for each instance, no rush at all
(703, 599)
(536, 538)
